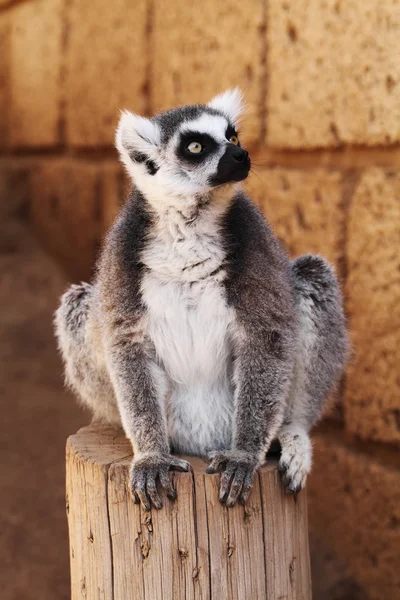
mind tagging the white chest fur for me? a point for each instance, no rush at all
(189, 325)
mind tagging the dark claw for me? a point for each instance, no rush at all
(223, 493)
(225, 483)
(147, 472)
(171, 495)
(152, 492)
(244, 496)
(293, 490)
(217, 465)
(211, 470)
(180, 465)
(287, 482)
(233, 496)
(143, 499)
(237, 475)
(167, 485)
(236, 488)
(248, 484)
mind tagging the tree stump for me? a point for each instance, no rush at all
(193, 548)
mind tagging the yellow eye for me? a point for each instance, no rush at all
(234, 140)
(195, 147)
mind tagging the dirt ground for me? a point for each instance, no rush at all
(37, 416)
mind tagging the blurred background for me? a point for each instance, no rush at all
(322, 82)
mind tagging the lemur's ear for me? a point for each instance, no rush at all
(230, 103)
(136, 134)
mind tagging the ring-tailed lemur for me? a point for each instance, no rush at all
(198, 333)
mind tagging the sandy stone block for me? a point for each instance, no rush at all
(15, 191)
(372, 398)
(4, 3)
(67, 212)
(74, 202)
(305, 209)
(354, 504)
(5, 66)
(107, 60)
(201, 49)
(334, 73)
(36, 55)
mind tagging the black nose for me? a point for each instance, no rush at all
(240, 155)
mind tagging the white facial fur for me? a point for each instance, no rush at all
(185, 179)
(230, 103)
(138, 134)
(175, 179)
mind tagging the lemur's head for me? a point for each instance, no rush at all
(186, 150)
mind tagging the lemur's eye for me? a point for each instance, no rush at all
(234, 140)
(195, 147)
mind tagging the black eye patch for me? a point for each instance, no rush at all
(140, 158)
(208, 145)
(231, 131)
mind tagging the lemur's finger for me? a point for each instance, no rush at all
(292, 483)
(135, 497)
(177, 464)
(225, 482)
(167, 485)
(293, 489)
(152, 491)
(144, 500)
(236, 487)
(283, 466)
(138, 487)
(246, 489)
(288, 481)
(217, 464)
(213, 454)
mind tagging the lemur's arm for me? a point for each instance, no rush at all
(136, 378)
(259, 288)
(138, 392)
(262, 378)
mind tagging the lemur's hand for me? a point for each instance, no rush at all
(237, 469)
(151, 470)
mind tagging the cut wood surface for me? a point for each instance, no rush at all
(193, 548)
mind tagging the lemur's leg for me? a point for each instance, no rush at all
(81, 349)
(321, 356)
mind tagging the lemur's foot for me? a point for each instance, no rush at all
(151, 471)
(295, 462)
(237, 470)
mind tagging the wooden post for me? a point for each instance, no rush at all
(192, 549)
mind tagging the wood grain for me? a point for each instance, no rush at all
(192, 549)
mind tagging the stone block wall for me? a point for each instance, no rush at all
(322, 83)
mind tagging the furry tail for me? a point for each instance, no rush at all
(85, 372)
(71, 316)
